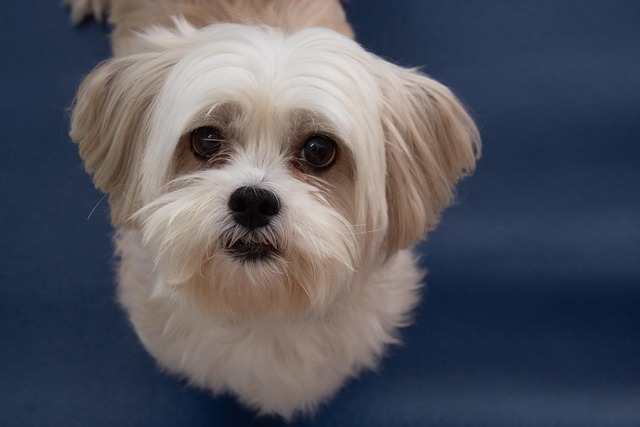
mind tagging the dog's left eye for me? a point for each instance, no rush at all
(319, 152)
(206, 142)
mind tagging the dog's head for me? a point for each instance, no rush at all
(269, 173)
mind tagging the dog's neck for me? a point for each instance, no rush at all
(132, 16)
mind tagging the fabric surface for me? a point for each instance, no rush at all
(531, 312)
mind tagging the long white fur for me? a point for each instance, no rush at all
(282, 335)
(274, 365)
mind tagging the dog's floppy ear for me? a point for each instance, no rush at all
(110, 125)
(431, 142)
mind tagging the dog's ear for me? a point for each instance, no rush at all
(431, 142)
(110, 125)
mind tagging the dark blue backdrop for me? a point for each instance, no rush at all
(531, 316)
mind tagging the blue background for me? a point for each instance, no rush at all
(531, 315)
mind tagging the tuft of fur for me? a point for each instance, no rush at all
(283, 333)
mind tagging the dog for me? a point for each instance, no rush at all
(267, 179)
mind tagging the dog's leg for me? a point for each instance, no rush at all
(120, 10)
(80, 9)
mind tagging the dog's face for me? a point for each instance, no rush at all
(269, 173)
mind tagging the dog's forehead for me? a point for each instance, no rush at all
(267, 73)
(275, 82)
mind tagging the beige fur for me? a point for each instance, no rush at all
(131, 16)
(432, 143)
(283, 333)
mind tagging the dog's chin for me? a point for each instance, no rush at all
(257, 279)
(252, 252)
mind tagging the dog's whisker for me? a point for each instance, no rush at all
(105, 195)
(376, 230)
(96, 206)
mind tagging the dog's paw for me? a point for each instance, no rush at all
(80, 9)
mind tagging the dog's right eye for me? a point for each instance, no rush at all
(206, 142)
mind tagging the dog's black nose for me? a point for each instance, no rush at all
(253, 207)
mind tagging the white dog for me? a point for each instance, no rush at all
(267, 177)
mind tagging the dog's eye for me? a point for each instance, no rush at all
(206, 142)
(319, 152)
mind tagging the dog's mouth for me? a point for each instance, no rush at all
(252, 251)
